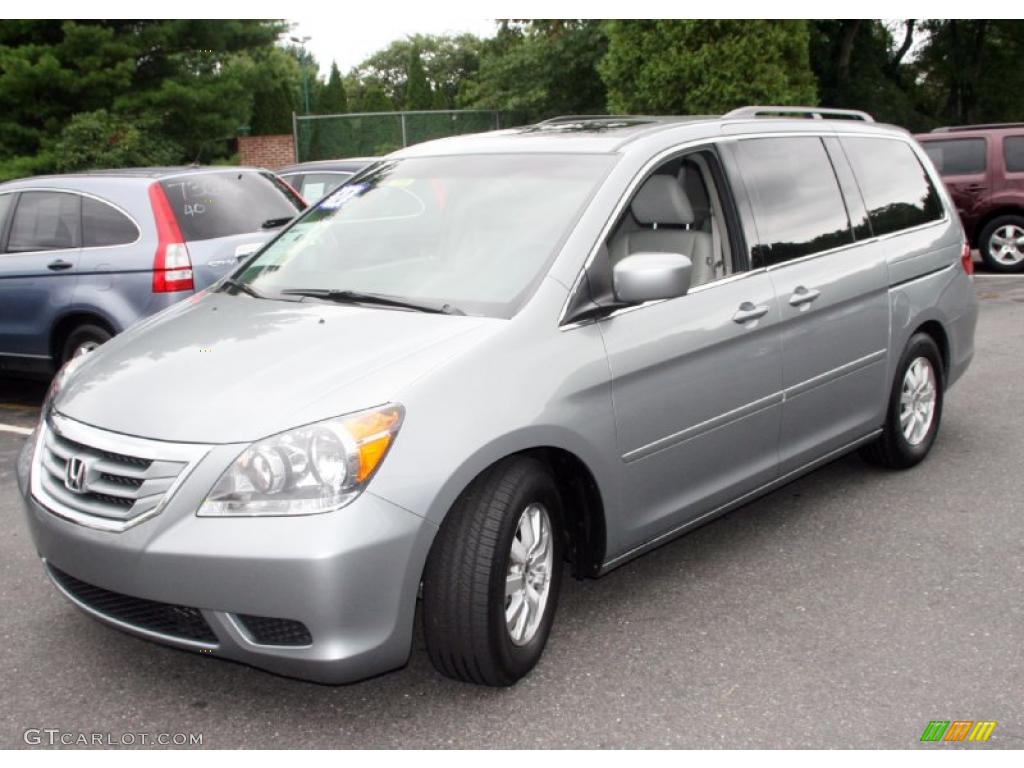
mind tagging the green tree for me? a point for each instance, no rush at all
(191, 80)
(417, 88)
(373, 99)
(541, 68)
(275, 92)
(332, 99)
(863, 64)
(100, 140)
(706, 66)
(448, 60)
(331, 137)
(969, 70)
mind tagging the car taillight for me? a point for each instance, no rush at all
(172, 267)
(965, 258)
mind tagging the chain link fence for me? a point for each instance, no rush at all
(369, 134)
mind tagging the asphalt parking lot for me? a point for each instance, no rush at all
(847, 609)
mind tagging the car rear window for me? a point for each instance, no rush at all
(1013, 152)
(104, 225)
(894, 184)
(209, 205)
(956, 157)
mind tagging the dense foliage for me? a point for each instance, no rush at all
(79, 94)
(706, 66)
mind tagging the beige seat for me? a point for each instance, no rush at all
(662, 205)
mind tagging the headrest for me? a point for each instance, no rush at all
(661, 200)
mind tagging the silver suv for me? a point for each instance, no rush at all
(490, 359)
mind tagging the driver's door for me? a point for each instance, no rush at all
(696, 381)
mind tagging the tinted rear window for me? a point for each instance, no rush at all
(1013, 152)
(209, 205)
(793, 190)
(895, 187)
(102, 224)
(955, 157)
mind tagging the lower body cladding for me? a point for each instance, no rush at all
(329, 598)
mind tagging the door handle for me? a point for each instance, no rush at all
(749, 311)
(802, 296)
(59, 264)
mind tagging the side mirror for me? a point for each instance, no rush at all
(651, 276)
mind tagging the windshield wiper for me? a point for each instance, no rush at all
(274, 223)
(243, 287)
(358, 297)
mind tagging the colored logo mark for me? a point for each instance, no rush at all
(958, 730)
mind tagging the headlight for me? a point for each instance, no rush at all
(317, 468)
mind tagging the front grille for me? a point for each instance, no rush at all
(111, 488)
(269, 631)
(178, 621)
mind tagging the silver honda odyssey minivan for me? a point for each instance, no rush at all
(489, 360)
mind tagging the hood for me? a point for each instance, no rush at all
(218, 368)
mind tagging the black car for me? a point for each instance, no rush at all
(317, 178)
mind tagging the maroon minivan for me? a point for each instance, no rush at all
(983, 167)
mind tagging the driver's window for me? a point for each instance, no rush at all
(678, 209)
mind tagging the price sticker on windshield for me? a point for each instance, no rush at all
(342, 196)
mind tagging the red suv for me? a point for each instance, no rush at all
(983, 166)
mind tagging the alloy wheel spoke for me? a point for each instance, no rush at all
(536, 533)
(519, 630)
(526, 534)
(513, 583)
(518, 551)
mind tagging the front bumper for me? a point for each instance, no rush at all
(350, 576)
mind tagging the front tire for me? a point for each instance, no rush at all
(1002, 244)
(915, 407)
(490, 587)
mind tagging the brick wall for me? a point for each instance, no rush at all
(266, 151)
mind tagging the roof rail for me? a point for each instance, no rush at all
(817, 113)
(978, 127)
(595, 118)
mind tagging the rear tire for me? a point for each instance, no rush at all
(915, 407)
(1002, 244)
(82, 340)
(484, 560)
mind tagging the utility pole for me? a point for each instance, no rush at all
(304, 59)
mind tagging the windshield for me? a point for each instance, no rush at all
(474, 232)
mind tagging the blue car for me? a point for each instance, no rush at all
(84, 256)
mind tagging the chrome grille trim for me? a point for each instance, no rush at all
(130, 479)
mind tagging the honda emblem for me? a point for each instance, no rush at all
(75, 474)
